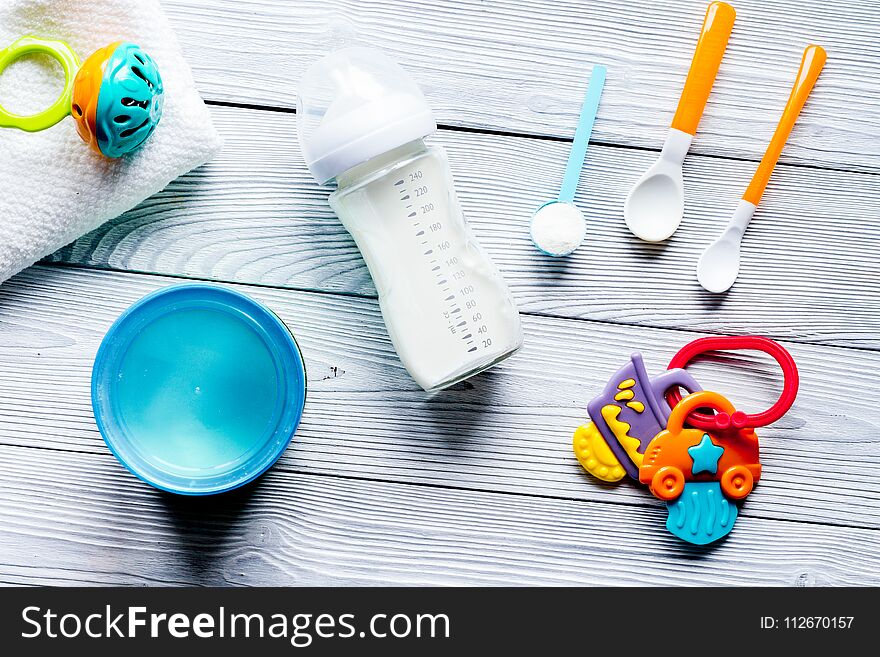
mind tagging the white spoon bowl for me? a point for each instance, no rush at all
(655, 205)
(719, 265)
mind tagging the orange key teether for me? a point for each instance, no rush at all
(701, 474)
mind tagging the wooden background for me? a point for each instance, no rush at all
(477, 485)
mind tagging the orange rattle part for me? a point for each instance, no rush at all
(737, 482)
(86, 89)
(667, 483)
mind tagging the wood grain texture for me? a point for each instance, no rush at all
(811, 257)
(508, 430)
(76, 519)
(516, 66)
(384, 484)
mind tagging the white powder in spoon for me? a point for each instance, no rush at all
(558, 228)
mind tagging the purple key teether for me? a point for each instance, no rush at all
(627, 415)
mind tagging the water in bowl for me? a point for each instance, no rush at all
(198, 390)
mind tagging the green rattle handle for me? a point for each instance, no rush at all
(60, 108)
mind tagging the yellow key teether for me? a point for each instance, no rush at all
(595, 455)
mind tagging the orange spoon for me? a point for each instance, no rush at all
(719, 264)
(655, 204)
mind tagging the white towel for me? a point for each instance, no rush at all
(53, 187)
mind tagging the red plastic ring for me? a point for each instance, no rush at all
(735, 343)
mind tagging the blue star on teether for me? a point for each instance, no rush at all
(705, 456)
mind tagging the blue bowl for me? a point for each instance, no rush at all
(198, 389)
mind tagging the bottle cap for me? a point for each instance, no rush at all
(356, 104)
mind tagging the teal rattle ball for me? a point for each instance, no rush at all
(117, 99)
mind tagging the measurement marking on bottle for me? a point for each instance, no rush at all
(441, 249)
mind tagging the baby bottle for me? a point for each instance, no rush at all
(362, 122)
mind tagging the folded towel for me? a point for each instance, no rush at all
(53, 187)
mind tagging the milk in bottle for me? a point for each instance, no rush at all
(448, 311)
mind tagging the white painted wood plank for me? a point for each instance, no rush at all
(811, 258)
(521, 66)
(507, 430)
(76, 519)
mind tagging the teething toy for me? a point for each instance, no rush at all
(700, 474)
(700, 464)
(116, 96)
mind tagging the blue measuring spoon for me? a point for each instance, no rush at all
(558, 227)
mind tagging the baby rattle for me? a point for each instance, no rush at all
(115, 96)
(701, 464)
